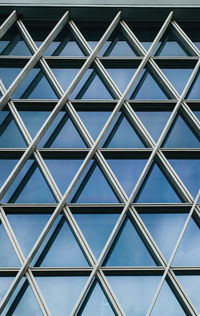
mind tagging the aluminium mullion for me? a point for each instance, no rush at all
(8, 23)
(172, 256)
(21, 258)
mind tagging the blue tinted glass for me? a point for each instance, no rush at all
(174, 76)
(120, 48)
(121, 77)
(194, 92)
(65, 76)
(173, 307)
(162, 225)
(8, 257)
(61, 293)
(87, 190)
(96, 229)
(127, 171)
(63, 171)
(156, 189)
(97, 304)
(181, 136)
(189, 172)
(64, 250)
(14, 47)
(10, 135)
(6, 166)
(27, 228)
(191, 284)
(129, 249)
(63, 47)
(5, 282)
(62, 134)
(33, 120)
(94, 121)
(134, 293)
(8, 75)
(154, 121)
(188, 253)
(170, 48)
(90, 87)
(197, 113)
(29, 187)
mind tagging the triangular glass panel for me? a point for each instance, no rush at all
(60, 248)
(96, 229)
(87, 190)
(6, 166)
(154, 121)
(121, 76)
(13, 44)
(65, 76)
(128, 249)
(122, 135)
(174, 76)
(94, 121)
(194, 92)
(35, 86)
(170, 45)
(127, 171)
(29, 187)
(33, 120)
(134, 293)
(156, 188)
(180, 135)
(23, 301)
(191, 285)
(63, 171)
(96, 303)
(5, 283)
(61, 292)
(189, 172)
(8, 75)
(27, 228)
(91, 87)
(8, 257)
(10, 136)
(162, 225)
(146, 87)
(188, 253)
(62, 134)
(166, 303)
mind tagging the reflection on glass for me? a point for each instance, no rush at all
(121, 76)
(6, 166)
(134, 293)
(191, 284)
(174, 76)
(61, 293)
(118, 48)
(65, 76)
(8, 75)
(162, 225)
(4, 285)
(129, 249)
(156, 188)
(8, 257)
(33, 120)
(194, 90)
(96, 229)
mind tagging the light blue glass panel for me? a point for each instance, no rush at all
(29, 187)
(197, 113)
(154, 121)
(178, 77)
(34, 120)
(27, 228)
(61, 293)
(166, 303)
(6, 166)
(64, 250)
(188, 253)
(127, 171)
(171, 48)
(97, 304)
(121, 76)
(129, 249)
(62, 134)
(165, 230)
(181, 136)
(156, 189)
(134, 293)
(122, 49)
(189, 172)
(94, 121)
(3, 45)
(8, 75)
(63, 171)
(194, 92)
(5, 282)
(8, 257)
(191, 284)
(96, 229)
(65, 76)
(90, 87)
(15, 47)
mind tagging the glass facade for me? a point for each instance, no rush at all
(99, 164)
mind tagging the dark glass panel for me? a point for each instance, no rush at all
(96, 229)
(165, 230)
(127, 171)
(129, 249)
(156, 189)
(61, 293)
(8, 257)
(134, 293)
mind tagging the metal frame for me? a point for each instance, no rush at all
(93, 151)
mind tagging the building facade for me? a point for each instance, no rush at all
(99, 158)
